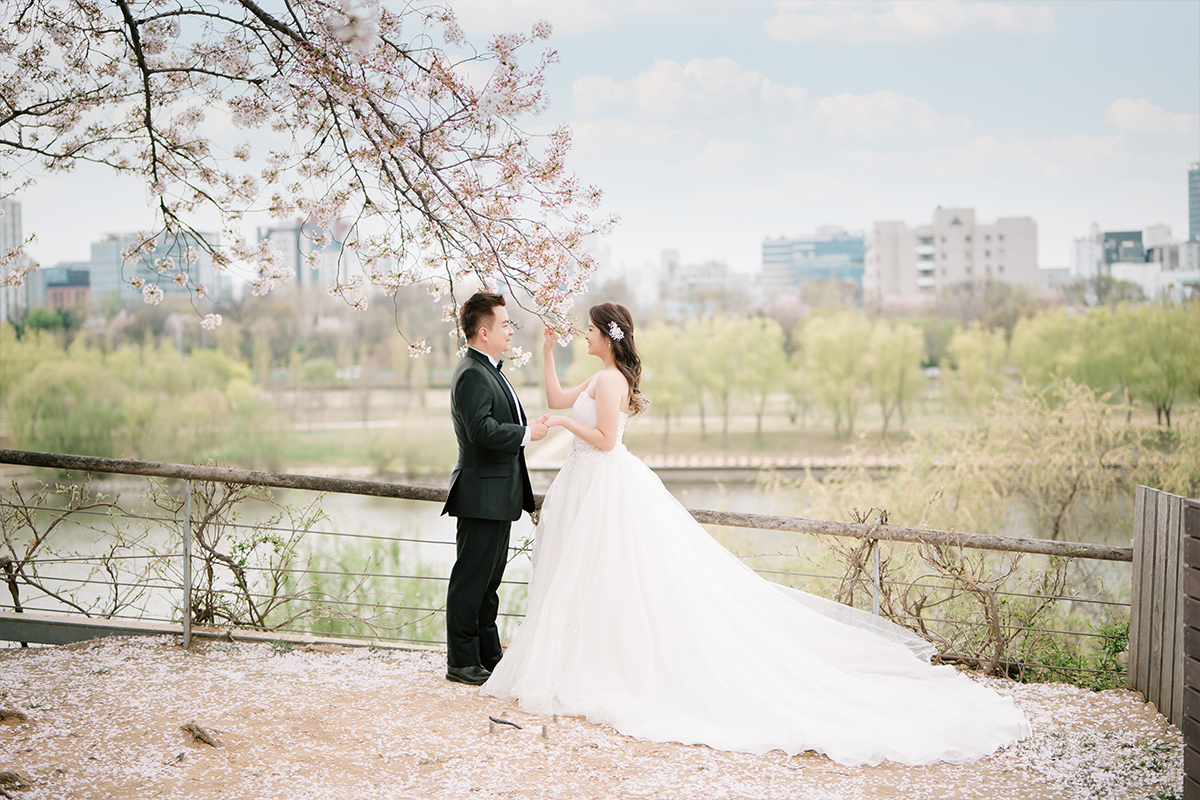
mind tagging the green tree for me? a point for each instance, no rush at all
(19, 357)
(1165, 354)
(1047, 348)
(695, 363)
(974, 369)
(835, 351)
(662, 372)
(724, 353)
(762, 363)
(894, 368)
(798, 384)
(67, 407)
(215, 369)
(43, 319)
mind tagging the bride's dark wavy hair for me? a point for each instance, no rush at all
(624, 350)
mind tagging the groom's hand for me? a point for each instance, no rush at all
(538, 429)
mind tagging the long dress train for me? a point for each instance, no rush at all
(639, 619)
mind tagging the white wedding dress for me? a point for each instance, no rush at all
(637, 618)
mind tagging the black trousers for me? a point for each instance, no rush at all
(472, 637)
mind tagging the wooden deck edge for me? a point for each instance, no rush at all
(55, 629)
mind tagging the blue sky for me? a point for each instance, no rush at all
(710, 125)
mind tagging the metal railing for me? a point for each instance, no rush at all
(283, 578)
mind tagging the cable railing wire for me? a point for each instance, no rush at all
(324, 596)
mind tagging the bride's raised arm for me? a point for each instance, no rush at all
(611, 389)
(555, 396)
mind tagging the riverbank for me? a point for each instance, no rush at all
(105, 718)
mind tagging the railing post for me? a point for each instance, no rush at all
(875, 587)
(187, 567)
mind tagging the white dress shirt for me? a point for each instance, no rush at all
(511, 391)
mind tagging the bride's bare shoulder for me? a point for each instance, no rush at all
(612, 381)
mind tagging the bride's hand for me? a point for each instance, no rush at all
(554, 421)
(549, 337)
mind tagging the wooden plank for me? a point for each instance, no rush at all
(1191, 518)
(1191, 762)
(1191, 704)
(1190, 613)
(1173, 654)
(1191, 582)
(1191, 635)
(1191, 671)
(1191, 551)
(1146, 591)
(1191, 789)
(1157, 597)
(1191, 729)
(1136, 640)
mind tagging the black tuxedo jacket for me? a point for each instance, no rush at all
(490, 480)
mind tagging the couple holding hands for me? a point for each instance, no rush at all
(639, 619)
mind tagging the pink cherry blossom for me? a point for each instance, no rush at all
(357, 119)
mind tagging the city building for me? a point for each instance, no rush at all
(1087, 255)
(1194, 203)
(65, 287)
(14, 300)
(112, 278)
(830, 253)
(904, 264)
(1164, 268)
(1123, 246)
(688, 290)
(308, 251)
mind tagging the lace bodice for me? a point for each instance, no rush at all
(584, 412)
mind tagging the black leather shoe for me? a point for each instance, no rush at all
(472, 676)
(492, 666)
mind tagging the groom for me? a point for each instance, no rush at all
(488, 488)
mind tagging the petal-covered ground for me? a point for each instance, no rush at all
(105, 720)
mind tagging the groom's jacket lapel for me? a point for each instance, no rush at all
(485, 362)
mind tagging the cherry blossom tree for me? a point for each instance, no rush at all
(377, 120)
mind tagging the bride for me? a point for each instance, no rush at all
(637, 618)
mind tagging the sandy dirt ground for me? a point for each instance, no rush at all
(105, 719)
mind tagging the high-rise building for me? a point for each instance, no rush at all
(14, 300)
(830, 253)
(308, 250)
(905, 263)
(1087, 255)
(1194, 202)
(1162, 267)
(111, 277)
(1124, 246)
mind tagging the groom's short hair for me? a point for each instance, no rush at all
(477, 312)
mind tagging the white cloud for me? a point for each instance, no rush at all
(878, 115)
(901, 21)
(670, 90)
(989, 158)
(488, 17)
(605, 136)
(719, 156)
(1141, 116)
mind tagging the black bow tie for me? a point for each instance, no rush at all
(500, 364)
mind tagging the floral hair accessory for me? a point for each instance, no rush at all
(614, 332)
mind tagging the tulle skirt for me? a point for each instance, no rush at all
(639, 619)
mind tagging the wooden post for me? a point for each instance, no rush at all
(187, 567)
(1188, 667)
